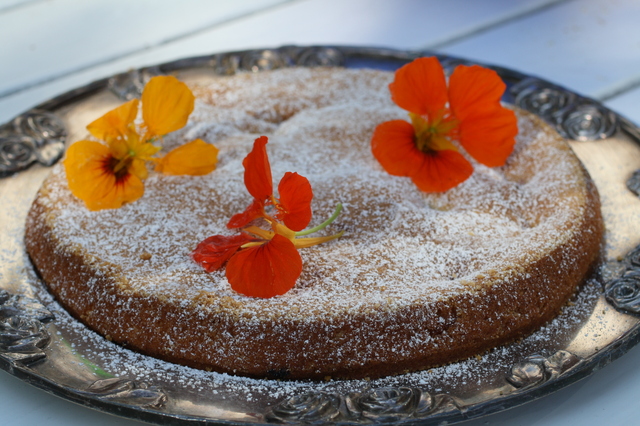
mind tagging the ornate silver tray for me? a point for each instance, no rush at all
(42, 345)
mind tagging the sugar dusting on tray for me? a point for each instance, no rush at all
(477, 373)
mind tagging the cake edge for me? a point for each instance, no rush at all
(116, 312)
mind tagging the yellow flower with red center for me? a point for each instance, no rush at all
(107, 174)
(468, 110)
(260, 262)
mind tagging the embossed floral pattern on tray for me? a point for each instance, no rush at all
(33, 137)
(382, 405)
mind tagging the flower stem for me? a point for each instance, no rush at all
(324, 224)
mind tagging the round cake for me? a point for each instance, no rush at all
(417, 280)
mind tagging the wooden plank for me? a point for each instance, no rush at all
(6, 5)
(590, 46)
(58, 37)
(405, 24)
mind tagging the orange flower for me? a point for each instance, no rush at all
(265, 263)
(107, 175)
(468, 111)
(294, 206)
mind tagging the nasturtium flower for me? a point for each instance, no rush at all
(107, 174)
(265, 262)
(468, 111)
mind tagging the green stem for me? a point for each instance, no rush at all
(323, 225)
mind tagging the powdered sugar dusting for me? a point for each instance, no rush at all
(401, 248)
(418, 246)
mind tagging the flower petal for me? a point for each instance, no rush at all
(254, 211)
(268, 270)
(474, 90)
(90, 176)
(142, 150)
(213, 252)
(442, 171)
(487, 130)
(115, 123)
(132, 146)
(138, 168)
(113, 193)
(393, 145)
(166, 105)
(257, 171)
(85, 158)
(420, 86)
(195, 158)
(121, 147)
(490, 138)
(295, 200)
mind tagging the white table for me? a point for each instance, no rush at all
(589, 46)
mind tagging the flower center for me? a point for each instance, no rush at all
(434, 133)
(120, 167)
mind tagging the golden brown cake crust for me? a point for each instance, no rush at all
(418, 281)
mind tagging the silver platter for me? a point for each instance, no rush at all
(42, 345)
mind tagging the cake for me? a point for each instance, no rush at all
(417, 280)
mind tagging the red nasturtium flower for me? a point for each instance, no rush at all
(265, 263)
(107, 175)
(468, 110)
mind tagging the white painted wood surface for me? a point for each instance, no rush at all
(404, 24)
(66, 36)
(590, 46)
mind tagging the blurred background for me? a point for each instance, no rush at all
(591, 47)
(51, 46)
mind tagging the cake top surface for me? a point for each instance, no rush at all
(400, 246)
